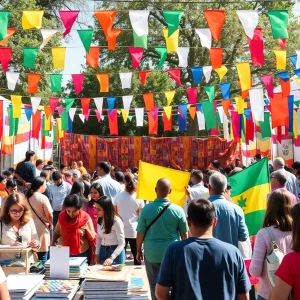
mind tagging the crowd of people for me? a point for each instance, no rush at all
(195, 252)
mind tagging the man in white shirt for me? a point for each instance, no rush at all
(109, 186)
(197, 191)
(39, 164)
(75, 169)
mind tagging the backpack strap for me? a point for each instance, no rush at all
(274, 244)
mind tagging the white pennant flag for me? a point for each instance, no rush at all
(221, 113)
(139, 115)
(298, 59)
(257, 104)
(139, 21)
(47, 35)
(249, 20)
(99, 104)
(126, 79)
(12, 78)
(201, 120)
(127, 102)
(205, 37)
(72, 112)
(82, 118)
(183, 53)
(207, 73)
(35, 102)
(225, 128)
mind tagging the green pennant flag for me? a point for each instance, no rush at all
(68, 103)
(55, 81)
(140, 41)
(279, 20)
(265, 127)
(162, 51)
(218, 119)
(210, 91)
(173, 18)
(54, 133)
(29, 57)
(209, 114)
(4, 17)
(13, 123)
(86, 36)
(130, 118)
(64, 120)
(243, 128)
(297, 103)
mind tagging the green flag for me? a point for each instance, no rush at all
(297, 103)
(140, 41)
(162, 51)
(218, 119)
(54, 133)
(210, 91)
(13, 123)
(4, 17)
(55, 81)
(68, 103)
(173, 18)
(265, 127)
(86, 36)
(209, 114)
(279, 20)
(29, 56)
(64, 120)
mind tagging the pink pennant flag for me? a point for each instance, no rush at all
(192, 95)
(53, 102)
(5, 58)
(87, 115)
(281, 43)
(256, 46)
(143, 76)
(60, 110)
(68, 17)
(269, 84)
(136, 56)
(154, 112)
(98, 115)
(85, 104)
(175, 75)
(78, 82)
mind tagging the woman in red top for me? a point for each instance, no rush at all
(288, 273)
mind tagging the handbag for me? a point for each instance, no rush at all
(273, 259)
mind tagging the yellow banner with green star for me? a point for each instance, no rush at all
(249, 190)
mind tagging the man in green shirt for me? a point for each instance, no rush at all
(168, 228)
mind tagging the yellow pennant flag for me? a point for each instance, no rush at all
(170, 96)
(297, 80)
(149, 175)
(58, 56)
(119, 112)
(280, 59)
(172, 41)
(48, 123)
(16, 102)
(60, 132)
(168, 111)
(222, 71)
(244, 75)
(240, 105)
(125, 114)
(295, 124)
(32, 19)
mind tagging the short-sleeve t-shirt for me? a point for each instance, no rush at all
(289, 272)
(203, 269)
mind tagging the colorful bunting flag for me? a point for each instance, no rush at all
(210, 91)
(216, 57)
(10, 32)
(127, 102)
(139, 116)
(111, 101)
(125, 114)
(257, 104)
(279, 111)
(175, 75)
(249, 20)
(152, 124)
(172, 41)
(58, 56)
(172, 18)
(136, 56)
(162, 51)
(209, 114)
(226, 105)
(207, 73)
(68, 18)
(269, 84)
(280, 59)
(86, 37)
(78, 82)
(201, 120)
(221, 72)
(32, 19)
(192, 95)
(33, 83)
(183, 53)
(215, 20)
(167, 122)
(4, 17)
(5, 58)
(139, 21)
(192, 111)
(16, 102)
(68, 103)
(244, 75)
(113, 122)
(256, 46)
(99, 104)
(35, 102)
(279, 20)
(47, 35)
(12, 79)
(85, 104)
(126, 79)
(168, 111)
(281, 43)
(239, 101)
(205, 37)
(53, 104)
(197, 73)
(140, 41)
(55, 82)
(225, 90)
(265, 127)
(92, 57)
(170, 96)
(104, 82)
(143, 76)
(149, 100)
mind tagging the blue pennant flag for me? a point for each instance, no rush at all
(291, 113)
(297, 72)
(181, 123)
(183, 109)
(284, 75)
(111, 101)
(28, 113)
(293, 59)
(70, 127)
(225, 89)
(197, 73)
(199, 107)
(247, 113)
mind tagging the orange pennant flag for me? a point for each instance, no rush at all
(33, 83)
(10, 32)
(226, 104)
(216, 57)
(149, 100)
(285, 87)
(104, 82)
(112, 39)
(215, 20)
(48, 111)
(279, 110)
(92, 57)
(192, 111)
(152, 124)
(48, 115)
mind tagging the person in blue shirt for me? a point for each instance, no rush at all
(231, 227)
(202, 267)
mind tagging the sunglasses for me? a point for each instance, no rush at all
(14, 211)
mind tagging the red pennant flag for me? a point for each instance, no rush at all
(226, 104)
(250, 126)
(256, 46)
(36, 125)
(78, 82)
(113, 122)
(279, 110)
(167, 122)
(192, 95)
(216, 57)
(285, 87)
(136, 56)
(152, 124)
(53, 104)
(281, 43)
(175, 75)
(215, 20)
(33, 83)
(5, 58)
(92, 57)
(143, 76)
(68, 18)
(149, 100)
(98, 115)
(85, 104)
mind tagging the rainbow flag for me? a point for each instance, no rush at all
(249, 190)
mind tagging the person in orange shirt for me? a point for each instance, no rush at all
(81, 168)
(3, 191)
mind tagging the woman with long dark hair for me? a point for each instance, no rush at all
(42, 215)
(111, 238)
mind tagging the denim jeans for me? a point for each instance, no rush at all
(152, 270)
(83, 254)
(43, 256)
(105, 253)
(55, 218)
